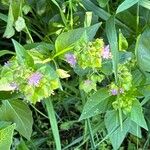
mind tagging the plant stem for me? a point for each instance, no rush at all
(91, 134)
(29, 34)
(39, 111)
(137, 19)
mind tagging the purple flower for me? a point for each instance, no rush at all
(114, 91)
(106, 54)
(34, 79)
(71, 59)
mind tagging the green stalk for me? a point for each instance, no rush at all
(29, 34)
(53, 122)
(71, 14)
(91, 134)
(137, 19)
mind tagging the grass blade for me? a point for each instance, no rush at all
(53, 122)
(125, 5)
(145, 4)
(102, 13)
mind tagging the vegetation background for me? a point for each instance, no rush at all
(74, 74)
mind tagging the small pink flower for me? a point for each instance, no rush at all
(71, 59)
(34, 79)
(114, 91)
(106, 54)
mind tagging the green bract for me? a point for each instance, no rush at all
(15, 76)
(89, 54)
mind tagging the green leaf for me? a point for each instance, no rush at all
(3, 17)
(137, 115)
(68, 39)
(102, 13)
(18, 112)
(4, 124)
(135, 129)
(67, 125)
(143, 50)
(125, 57)
(113, 42)
(107, 67)
(4, 52)
(125, 5)
(123, 44)
(117, 134)
(6, 136)
(9, 32)
(103, 3)
(145, 3)
(22, 145)
(124, 17)
(22, 55)
(61, 12)
(138, 77)
(96, 104)
(20, 24)
(53, 122)
(7, 95)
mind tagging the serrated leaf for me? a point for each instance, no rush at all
(125, 5)
(143, 50)
(96, 104)
(137, 115)
(6, 135)
(18, 112)
(22, 55)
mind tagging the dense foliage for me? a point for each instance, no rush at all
(74, 74)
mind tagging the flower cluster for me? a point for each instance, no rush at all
(35, 84)
(34, 79)
(124, 100)
(91, 82)
(89, 55)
